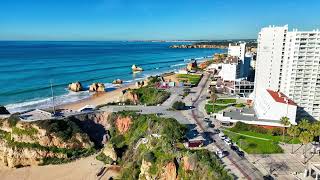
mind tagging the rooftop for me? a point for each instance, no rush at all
(280, 97)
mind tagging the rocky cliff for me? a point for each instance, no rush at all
(31, 143)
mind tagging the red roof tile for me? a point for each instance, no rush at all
(280, 97)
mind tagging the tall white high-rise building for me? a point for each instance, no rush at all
(239, 50)
(289, 61)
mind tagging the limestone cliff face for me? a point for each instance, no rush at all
(130, 96)
(170, 172)
(144, 170)
(123, 124)
(13, 157)
(27, 144)
(110, 152)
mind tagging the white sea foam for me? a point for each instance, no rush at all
(175, 65)
(47, 102)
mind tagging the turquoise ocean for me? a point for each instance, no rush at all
(27, 67)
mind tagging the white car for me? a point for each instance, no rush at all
(221, 134)
(220, 153)
(228, 142)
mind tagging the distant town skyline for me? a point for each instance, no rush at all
(150, 20)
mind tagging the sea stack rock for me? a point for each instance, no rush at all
(117, 81)
(76, 87)
(97, 87)
(3, 110)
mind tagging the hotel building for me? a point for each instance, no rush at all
(289, 62)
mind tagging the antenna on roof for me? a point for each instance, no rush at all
(53, 108)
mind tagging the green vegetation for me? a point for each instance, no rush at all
(273, 134)
(153, 80)
(29, 132)
(214, 108)
(105, 159)
(253, 145)
(178, 105)
(190, 78)
(226, 101)
(240, 105)
(54, 160)
(151, 96)
(159, 151)
(186, 92)
(65, 129)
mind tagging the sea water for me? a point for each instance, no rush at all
(28, 67)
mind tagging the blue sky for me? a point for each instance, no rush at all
(150, 19)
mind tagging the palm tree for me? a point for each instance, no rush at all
(305, 137)
(294, 132)
(304, 125)
(285, 122)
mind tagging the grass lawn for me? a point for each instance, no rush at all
(191, 78)
(226, 101)
(287, 139)
(217, 108)
(254, 146)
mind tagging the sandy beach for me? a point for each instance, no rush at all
(82, 169)
(98, 98)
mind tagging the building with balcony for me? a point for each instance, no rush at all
(289, 62)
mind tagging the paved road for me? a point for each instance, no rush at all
(247, 170)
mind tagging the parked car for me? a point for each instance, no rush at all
(240, 153)
(234, 148)
(221, 153)
(228, 142)
(221, 134)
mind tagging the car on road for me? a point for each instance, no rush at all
(234, 148)
(240, 153)
(221, 153)
(221, 134)
(228, 142)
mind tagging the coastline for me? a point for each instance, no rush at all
(113, 95)
(98, 98)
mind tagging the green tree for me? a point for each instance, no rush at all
(304, 125)
(305, 137)
(178, 105)
(285, 122)
(294, 132)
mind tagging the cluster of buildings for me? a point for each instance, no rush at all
(234, 72)
(287, 74)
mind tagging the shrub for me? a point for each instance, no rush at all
(13, 120)
(105, 159)
(178, 105)
(151, 96)
(149, 157)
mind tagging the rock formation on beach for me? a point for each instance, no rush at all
(117, 81)
(97, 87)
(136, 68)
(76, 87)
(3, 110)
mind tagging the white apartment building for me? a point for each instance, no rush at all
(237, 49)
(289, 61)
